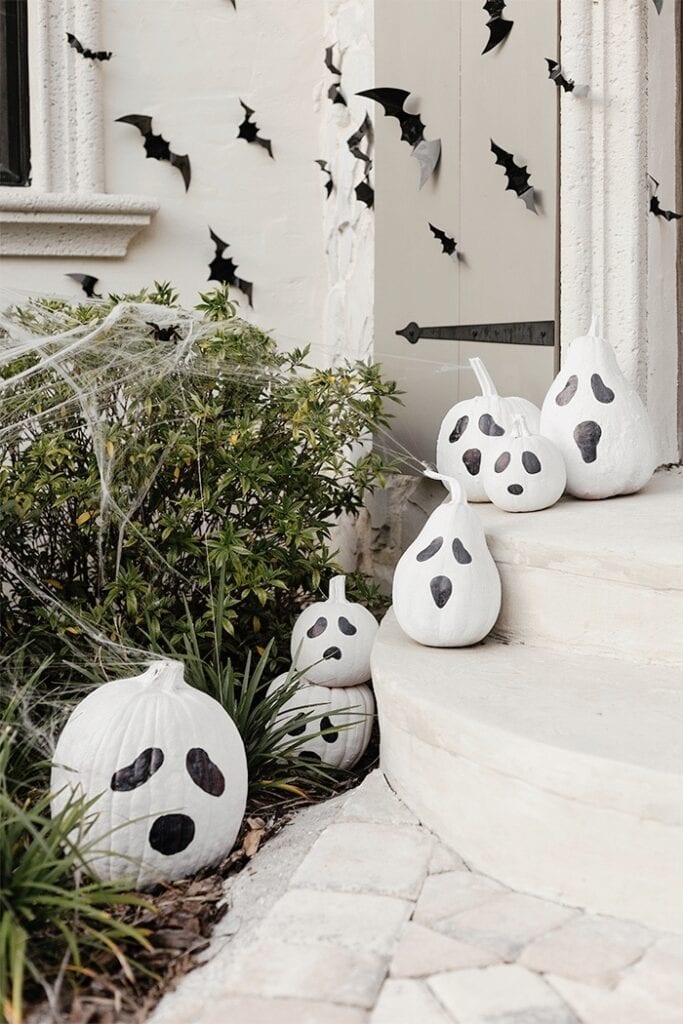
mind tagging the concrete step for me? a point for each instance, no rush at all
(556, 773)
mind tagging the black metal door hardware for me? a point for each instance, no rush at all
(530, 332)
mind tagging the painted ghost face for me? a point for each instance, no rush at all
(169, 769)
(598, 422)
(332, 640)
(528, 473)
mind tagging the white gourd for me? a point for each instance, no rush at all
(352, 707)
(598, 422)
(169, 770)
(472, 430)
(446, 590)
(528, 474)
(332, 639)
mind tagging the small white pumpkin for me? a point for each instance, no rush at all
(332, 639)
(471, 431)
(529, 473)
(446, 590)
(598, 422)
(169, 768)
(352, 708)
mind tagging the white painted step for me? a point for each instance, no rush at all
(556, 773)
(602, 577)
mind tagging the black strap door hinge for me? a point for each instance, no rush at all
(529, 332)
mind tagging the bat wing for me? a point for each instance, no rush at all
(354, 141)
(73, 41)
(448, 244)
(517, 176)
(499, 29)
(365, 193)
(139, 121)
(247, 110)
(427, 155)
(183, 165)
(329, 62)
(656, 208)
(87, 283)
(267, 145)
(393, 102)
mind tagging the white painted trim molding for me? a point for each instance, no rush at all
(65, 210)
(607, 142)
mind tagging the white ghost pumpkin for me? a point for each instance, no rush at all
(169, 770)
(345, 725)
(471, 432)
(529, 473)
(332, 639)
(598, 422)
(446, 590)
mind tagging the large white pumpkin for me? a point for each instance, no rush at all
(598, 422)
(471, 432)
(169, 768)
(529, 473)
(332, 639)
(446, 590)
(350, 707)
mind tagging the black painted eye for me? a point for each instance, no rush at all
(502, 462)
(347, 628)
(204, 773)
(135, 774)
(171, 833)
(587, 435)
(332, 652)
(472, 460)
(488, 426)
(568, 391)
(461, 553)
(531, 462)
(318, 627)
(298, 730)
(459, 429)
(441, 588)
(600, 389)
(515, 489)
(430, 550)
(329, 737)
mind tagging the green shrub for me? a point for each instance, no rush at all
(139, 465)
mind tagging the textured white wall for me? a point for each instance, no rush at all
(187, 63)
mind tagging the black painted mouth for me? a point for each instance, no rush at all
(515, 489)
(332, 652)
(171, 833)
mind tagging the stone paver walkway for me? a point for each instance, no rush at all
(355, 914)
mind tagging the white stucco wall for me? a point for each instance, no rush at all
(187, 63)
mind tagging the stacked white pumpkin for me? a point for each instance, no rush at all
(593, 438)
(332, 709)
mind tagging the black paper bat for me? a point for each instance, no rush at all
(156, 146)
(365, 193)
(412, 129)
(655, 205)
(354, 141)
(225, 270)
(448, 244)
(329, 184)
(556, 75)
(249, 131)
(164, 333)
(87, 283)
(85, 52)
(498, 26)
(518, 179)
(334, 92)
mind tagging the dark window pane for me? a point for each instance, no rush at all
(15, 143)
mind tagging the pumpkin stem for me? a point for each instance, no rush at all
(594, 329)
(337, 589)
(483, 377)
(452, 485)
(520, 427)
(168, 674)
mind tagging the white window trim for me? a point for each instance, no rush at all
(65, 210)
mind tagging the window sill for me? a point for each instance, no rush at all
(59, 224)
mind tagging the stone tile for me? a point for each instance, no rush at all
(358, 921)
(588, 948)
(408, 1002)
(255, 1010)
(422, 952)
(277, 969)
(505, 994)
(445, 859)
(623, 1005)
(375, 800)
(660, 971)
(505, 924)
(451, 892)
(389, 860)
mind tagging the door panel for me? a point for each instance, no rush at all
(508, 269)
